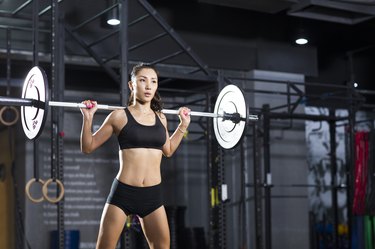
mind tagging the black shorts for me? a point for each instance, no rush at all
(135, 200)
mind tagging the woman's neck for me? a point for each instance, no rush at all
(142, 108)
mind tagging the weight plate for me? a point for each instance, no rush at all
(230, 100)
(34, 87)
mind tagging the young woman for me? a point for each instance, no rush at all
(143, 139)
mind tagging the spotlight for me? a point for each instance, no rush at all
(301, 41)
(113, 17)
(113, 21)
(355, 84)
(301, 38)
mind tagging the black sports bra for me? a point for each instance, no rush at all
(136, 135)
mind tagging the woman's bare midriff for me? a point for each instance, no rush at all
(140, 167)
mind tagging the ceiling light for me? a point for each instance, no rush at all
(113, 17)
(301, 41)
(301, 35)
(113, 21)
(355, 84)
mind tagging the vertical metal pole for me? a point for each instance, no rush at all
(214, 174)
(248, 194)
(350, 164)
(221, 223)
(221, 214)
(35, 42)
(56, 150)
(9, 38)
(60, 122)
(124, 91)
(267, 176)
(258, 209)
(35, 32)
(53, 84)
(242, 204)
(333, 158)
(209, 179)
(350, 169)
(124, 10)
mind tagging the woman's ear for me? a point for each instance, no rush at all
(130, 84)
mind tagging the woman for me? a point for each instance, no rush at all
(143, 138)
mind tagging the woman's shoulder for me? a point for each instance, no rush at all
(117, 115)
(118, 112)
(117, 119)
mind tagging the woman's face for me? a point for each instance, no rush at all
(146, 84)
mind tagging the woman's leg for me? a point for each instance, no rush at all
(111, 225)
(156, 229)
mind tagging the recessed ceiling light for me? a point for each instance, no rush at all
(301, 41)
(113, 21)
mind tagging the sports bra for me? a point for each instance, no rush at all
(136, 135)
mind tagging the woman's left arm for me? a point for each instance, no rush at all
(174, 141)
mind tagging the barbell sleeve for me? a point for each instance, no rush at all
(5, 101)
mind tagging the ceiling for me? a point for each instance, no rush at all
(215, 35)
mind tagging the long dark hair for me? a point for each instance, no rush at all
(156, 102)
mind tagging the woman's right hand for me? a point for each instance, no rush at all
(91, 107)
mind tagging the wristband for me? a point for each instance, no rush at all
(183, 132)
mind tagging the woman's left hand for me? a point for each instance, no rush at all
(184, 114)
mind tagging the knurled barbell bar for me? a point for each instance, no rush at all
(229, 118)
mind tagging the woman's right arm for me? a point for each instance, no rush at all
(89, 141)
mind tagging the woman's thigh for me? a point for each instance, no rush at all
(156, 229)
(111, 225)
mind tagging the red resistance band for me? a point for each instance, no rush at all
(360, 174)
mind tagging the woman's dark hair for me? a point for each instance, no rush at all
(156, 102)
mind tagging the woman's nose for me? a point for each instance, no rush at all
(148, 84)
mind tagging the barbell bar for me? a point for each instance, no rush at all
(230, 115)
(227, 116)
(8, 101)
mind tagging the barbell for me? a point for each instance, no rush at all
(229, 118)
